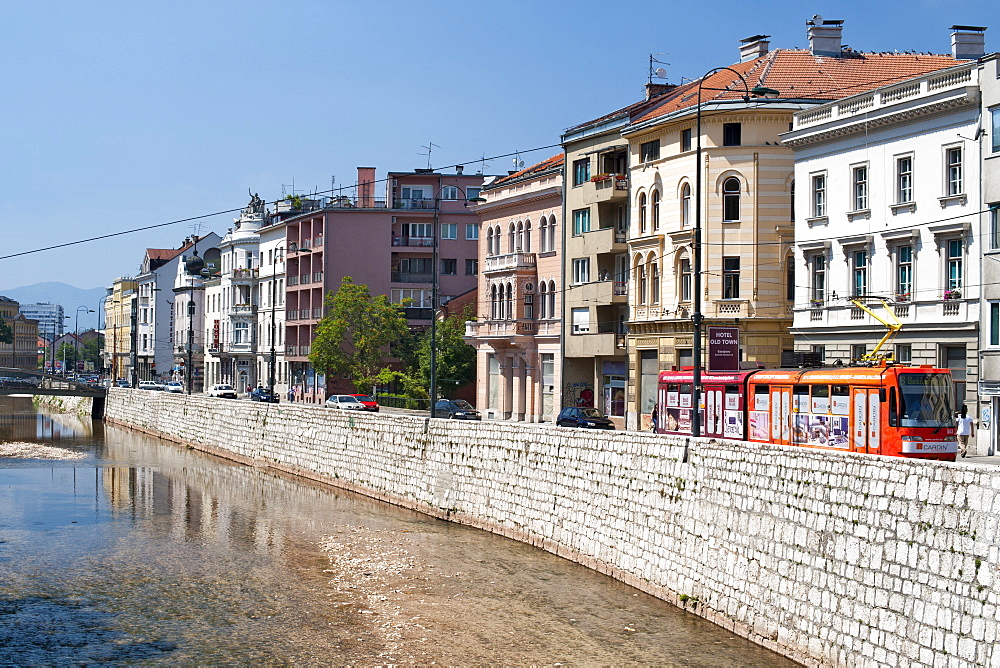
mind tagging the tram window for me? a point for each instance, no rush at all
(685, 395)
(893, 415)
(761, 394)
(841, 402)
(800, 399)
(673, 400)
(732, 397)
(821, 399)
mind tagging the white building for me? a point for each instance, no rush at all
(886, 207)
(51, 319)
(271, 309)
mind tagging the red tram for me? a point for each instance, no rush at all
(900, 411)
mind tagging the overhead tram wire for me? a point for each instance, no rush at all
(238, 209)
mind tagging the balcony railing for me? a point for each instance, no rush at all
(510, 261)
(411, 277)
(244, 309)
(355, 203)
(413, 204)
(413, 241)
(293, 280)
(500, 328)
(243, 274)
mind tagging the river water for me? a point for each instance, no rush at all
(119, 548)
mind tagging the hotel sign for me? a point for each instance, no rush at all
(723, 349)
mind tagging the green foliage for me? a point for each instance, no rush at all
(456, 359)
(6, 333)
(67, 352)
(354, 337)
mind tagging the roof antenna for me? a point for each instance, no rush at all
(483, 164)
(430, 147)
(518, 163)
(659, 72)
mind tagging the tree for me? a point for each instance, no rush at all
(67, 351)
(6, 333)
(455, 359)
(354, 337)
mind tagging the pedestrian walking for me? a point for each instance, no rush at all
(654, 417)
(291, 394)
(966, 428)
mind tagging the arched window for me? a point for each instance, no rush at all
(489, 241)
(656, 210)
(543, 234)
(511, 238)
(685, 205)
(642, 213)
(543, 300)
(510, 301)
(654, 282)
(494, 305)
(791, 200)
(731, 199)
(520, 237)
(552, 300)
(640, 277)
(552, 233)
(527, 236)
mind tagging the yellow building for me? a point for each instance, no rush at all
(23, 352)
(118, 327)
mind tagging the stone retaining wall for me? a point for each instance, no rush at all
(828, 558)
(81, 406)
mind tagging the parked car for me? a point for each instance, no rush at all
(150, 385)
(366, 401)
(222, 390)
(263, 394)
(174, 386)
(456, 409)
(344, 402)
(586, 418)
(121, 382)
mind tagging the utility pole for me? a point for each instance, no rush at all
(134, 342)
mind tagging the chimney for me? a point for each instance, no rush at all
(968, 42)
(658, 89)
(459, 169)
(754, 47)
(366, 187)
(824, 36)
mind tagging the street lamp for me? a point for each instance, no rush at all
(435, 234)
(696, 316)
(194, 266)
(76, 343)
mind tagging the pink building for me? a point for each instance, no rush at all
(518, 328)
(386, 243)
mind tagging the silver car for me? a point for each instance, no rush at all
(344, 402)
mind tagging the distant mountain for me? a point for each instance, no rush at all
(67, 296)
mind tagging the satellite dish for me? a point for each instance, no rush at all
(660, 73)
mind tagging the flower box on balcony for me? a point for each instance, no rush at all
(816, 303)
(903, 297)
(600, 177)
(952, 294)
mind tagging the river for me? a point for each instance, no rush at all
(120, 548)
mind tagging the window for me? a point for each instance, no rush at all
(473, 192)
(994, 226)
(449, 230)
(859, 262)
(656, 210)
(529, 307)
(552, 233)
(241, 332)
(581, 221)
(953, 158)
(543, 234)
(818, 280)
(995, 115)
(649, 150)
(543, 301)
(642, 213)
(858, 352)
(818, 195)
(730, 278)
(904, 273)
(995, 323)
(790, 278)
(654, 283)
(471, 267)
(732, 134)
(449, 267)
(820, 352)
(581, 320)
(904, 353)
(418, 230)
(581, 171)
(860, 178)
(954, 264)
(416, 265)
(731, 199)
(449, 192)
(471, 231)
(685, 280)
(685, 205)
(552, 300)
(641, 281)
(904, 179)
(686, 140)
(581, 270)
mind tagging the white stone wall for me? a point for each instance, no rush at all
(829, 558)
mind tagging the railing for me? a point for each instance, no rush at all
(305, 314)
(500, 328)
(292, 350)
(318, 277)
(413, 241)
(417, 204)
(620, 289)
(417, 313)
(510, 261)
(855, 105)
(317, 313)
(901, 310)
(857, 314)
(951, 307)
(345, 202)
(238, 274)
(729, 308)
(244, 309)
(411, 277)
(304, 279)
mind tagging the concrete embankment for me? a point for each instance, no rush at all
(80, 406)
(828, 558)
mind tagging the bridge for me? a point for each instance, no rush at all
(19, 381)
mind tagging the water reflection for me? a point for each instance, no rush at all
(151, 553)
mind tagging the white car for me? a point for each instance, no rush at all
(174, 386)
(344, 402)
(222, 390)
(150, 385)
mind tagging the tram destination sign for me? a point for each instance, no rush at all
(723, 349)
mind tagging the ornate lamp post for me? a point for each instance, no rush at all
(194, 266)
(696, 315)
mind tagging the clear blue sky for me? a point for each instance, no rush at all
(120, 115)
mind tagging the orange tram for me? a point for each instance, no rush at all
(899, 411)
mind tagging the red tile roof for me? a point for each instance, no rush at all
(543, 166)
(798, 74)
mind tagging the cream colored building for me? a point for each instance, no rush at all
(748, 270)
(118, 327)
(518, 325)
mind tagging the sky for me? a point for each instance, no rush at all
(128, 115)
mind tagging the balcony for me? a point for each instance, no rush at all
(607, 188)
(416, 313)
(425, 242)
(243, 276)
(243, 310)
(411, 277)
(413, 204)
(601, 241)
(595, 293)
(344, 202)
(501, 329)
(509, 262)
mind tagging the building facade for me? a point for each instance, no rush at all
(51, 318)
(271, 366)
(518, 319)
(118, 327)
(889, 219)
(22, 353)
